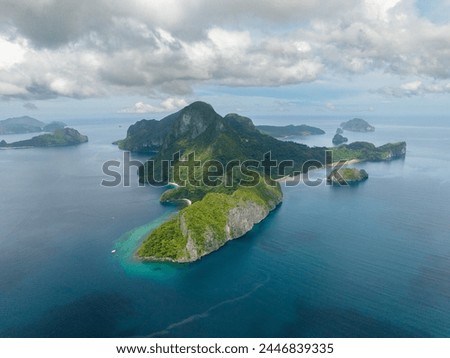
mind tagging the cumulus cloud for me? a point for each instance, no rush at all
(12, 53)
(416, 88)
(168, 105)
(90, 48)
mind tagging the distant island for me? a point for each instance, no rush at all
(25, 124)
(339, 138)
(289, 130)
(357, 125)
(365, 151)
(347, 176)
(59, 138)
(230, 205)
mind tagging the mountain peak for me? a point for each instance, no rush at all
(195, 119)
(199, 106)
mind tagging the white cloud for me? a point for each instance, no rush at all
(11, 53)
(168, 105)
(229, 41)
(141, 107)
(411, 86)
(9, 89)
(416, 88)
(379, 9)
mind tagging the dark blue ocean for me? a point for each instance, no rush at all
(366, 261)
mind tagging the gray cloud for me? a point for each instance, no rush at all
(30, 106)
(94, 48)
(53, 23)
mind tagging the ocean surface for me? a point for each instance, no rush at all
(366, 261)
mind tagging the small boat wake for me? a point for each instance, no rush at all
(205, 314)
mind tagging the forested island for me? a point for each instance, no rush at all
(357, 125)
(200, 144)
(59, 138)
(290, 130)
(347, 176)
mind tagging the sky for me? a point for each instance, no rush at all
(64, 59)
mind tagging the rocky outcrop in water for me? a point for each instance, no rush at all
(339, 139)
(347, 176)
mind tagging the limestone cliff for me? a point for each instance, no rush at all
(209, 224)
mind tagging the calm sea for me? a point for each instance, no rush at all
(366, 261)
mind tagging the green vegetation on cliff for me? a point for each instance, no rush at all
(166, 242)
(146, 136)
(209, 223)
